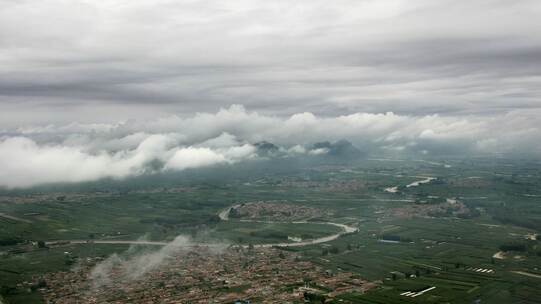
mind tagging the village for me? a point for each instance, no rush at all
(276, 211)
(201, 275)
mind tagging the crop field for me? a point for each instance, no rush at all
(399, 244)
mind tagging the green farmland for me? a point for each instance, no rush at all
(406, 241)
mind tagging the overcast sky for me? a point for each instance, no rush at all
(109, 85)
(107, 60)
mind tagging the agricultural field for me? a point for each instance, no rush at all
(446, 231)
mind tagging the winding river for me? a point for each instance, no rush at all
(224, 216)
(425, 180)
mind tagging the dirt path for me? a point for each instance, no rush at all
(125, 242)
(532, 275)
(14, 218)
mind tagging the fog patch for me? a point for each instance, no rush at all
(136, 262)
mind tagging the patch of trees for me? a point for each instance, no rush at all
(334, 250)
(514, 247)
(9, 241)
(396, 238)
(306, 236)
(314, 298)
(195, 205)
(343, 235)
(442, 213)
(508, 215)
(353, 265)
(473, 213)
(390, 237)
(437, 181)
(269, 234)
(234, 213)
(13, 290)
(161, 221)
(8, 290)
(213, 219)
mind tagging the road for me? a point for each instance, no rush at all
(125, 242)
(14, 218)
(532, 275)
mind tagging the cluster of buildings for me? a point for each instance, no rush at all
(48, 197)
(276, 211)
(235, 275)
(448, 208)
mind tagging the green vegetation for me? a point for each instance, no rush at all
(405, 240)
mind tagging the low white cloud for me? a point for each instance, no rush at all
(26, 163)
(319, 151)
(134, 263)
(194, 157)
(37, 155)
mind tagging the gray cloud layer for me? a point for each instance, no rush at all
(98, 61)
(84, 152)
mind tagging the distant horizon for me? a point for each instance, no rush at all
(109, 87)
